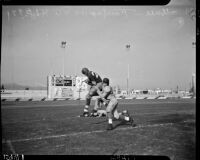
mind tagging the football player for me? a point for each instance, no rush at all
(95, 82)
(111, 103)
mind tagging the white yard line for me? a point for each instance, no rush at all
(89, 132)
(11, 147)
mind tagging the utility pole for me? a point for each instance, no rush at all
(193, 84)
(177, 89)
(193, 75)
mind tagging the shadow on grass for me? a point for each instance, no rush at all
(103, 121)
(173, 118)
(124, 123)
(120, 123)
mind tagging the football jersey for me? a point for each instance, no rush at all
(92, 76)
(110, 95)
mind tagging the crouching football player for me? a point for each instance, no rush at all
(111, 102)
(95, 82)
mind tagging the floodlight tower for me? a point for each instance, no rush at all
(193, 75)
(128, 46)
(63, 45)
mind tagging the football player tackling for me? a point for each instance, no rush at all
(111, 104)
(95, 82)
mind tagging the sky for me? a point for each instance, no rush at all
(161, 54)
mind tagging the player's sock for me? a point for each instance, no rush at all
(110, 116)
(86, 107)
(86, 111)
(87, 100)
(110, 126)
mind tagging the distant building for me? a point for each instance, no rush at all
(124, 93)
(116, 89)
(166, 91)
(151, 91)
(136, 92)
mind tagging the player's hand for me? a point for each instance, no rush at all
(87, 82)
(94, 83)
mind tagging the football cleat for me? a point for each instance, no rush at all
(85, 114)
(93, 114)
(109, 127)
(125, 113)
(131, 120)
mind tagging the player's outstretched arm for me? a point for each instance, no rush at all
(102, 95)
(87, 81)
(94, 82)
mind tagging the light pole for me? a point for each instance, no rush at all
(193, 75)
(193, 84)
(128, 46)
(63, 45)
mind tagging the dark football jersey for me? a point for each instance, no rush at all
(92, 76)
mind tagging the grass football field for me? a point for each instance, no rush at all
(163, 127)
